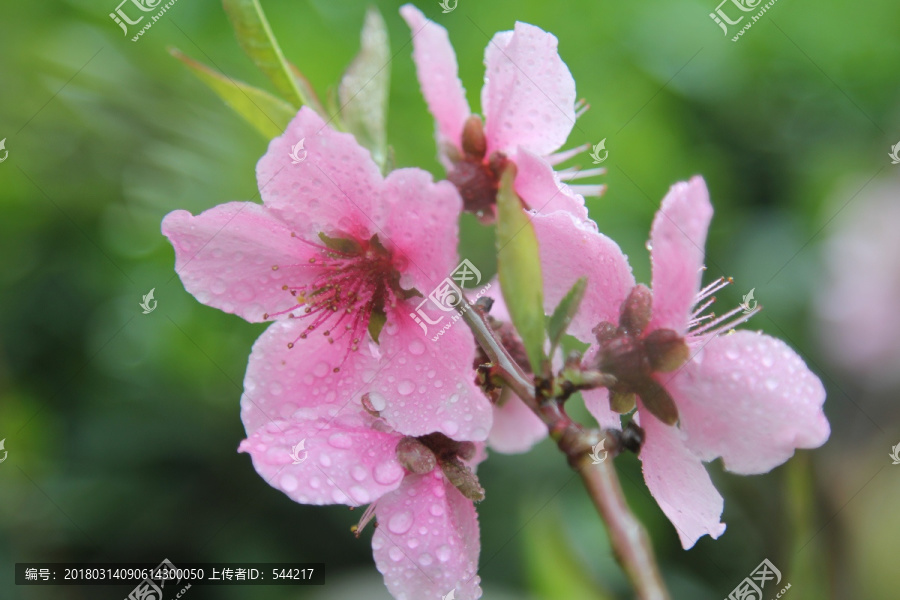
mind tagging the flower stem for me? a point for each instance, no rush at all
(629, 540)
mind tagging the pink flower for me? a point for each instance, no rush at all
(427, 539)
(745, 397)
(528, 101)
(339, 251)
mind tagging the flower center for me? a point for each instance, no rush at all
(356, 281)
(422, 454)
(476, 176)
(632, 357)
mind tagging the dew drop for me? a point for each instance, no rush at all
(289, 483)
(325, 460)
(406, 387)
(396, 554)
(417, 347)
(377, 401)
(732, 354)
(450, 427)
(358, 473)
(425, 560)
(443, 553)
(387, 473)
(340, 440)
(360, 494)
(400, 522)
(320, 370)
(437, 510)
(771, 384)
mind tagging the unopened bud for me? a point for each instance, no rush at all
(666, 350)
(473, 141)
(637, 310)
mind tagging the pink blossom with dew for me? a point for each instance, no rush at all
(420, 489)
(528, 101)
(341, 254)
(742, 396)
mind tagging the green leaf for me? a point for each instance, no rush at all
(268, 114)
(257, 40)
(363, 92)
(519, 270)
(376, 322)
(341, 245)
(564, 313)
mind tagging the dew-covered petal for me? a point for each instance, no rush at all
(678, 238)
(750, 399)
(427, 541)
(426, 382)
(438, 75)
(516, 428)
(333, 189)
(300, 382)
(528, 98)
(326, 461)
(571, 249)
(539, 186)
(236, 257)
(422, 226)
(679, 482)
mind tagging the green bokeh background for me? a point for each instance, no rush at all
(122, 428)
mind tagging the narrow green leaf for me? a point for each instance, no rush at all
(257, 40)
(341, 245)
(268, 114)
(564, 313)
(376, 322)
(519, 270)
(363, 92)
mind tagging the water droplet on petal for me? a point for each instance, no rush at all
(320, 370)
(289, 483)
(771, 384)
(406, 387)
(358, 473)
(388, 472)
(450, 427)
(340, 440)
(400, 522)
(425, 560)
(649, 245)
(396, 554)
(443, 553)
(360, 494)
(732, 354)
(437, 510)
(377, 401)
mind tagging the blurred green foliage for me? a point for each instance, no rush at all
(122, 428)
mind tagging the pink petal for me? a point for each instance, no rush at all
(333, 190)
(750, 399)
(678, 238)
(437, 71)
(300, 383)
(539, 186)
(225, 257)
(342, 462)
(571, 249)
(422, 226)
(679, 482)
(516, 429)
(426, 543)
(528, 98)
(426, 385)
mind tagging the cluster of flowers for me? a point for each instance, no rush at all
(338, 256)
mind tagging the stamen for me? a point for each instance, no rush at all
(364, 520)
(581, 107)
(712, 288)
(573, 173)
(589, 190)
(560, 157)
(707, 330)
